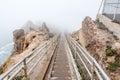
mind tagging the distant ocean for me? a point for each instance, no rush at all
(5, 52)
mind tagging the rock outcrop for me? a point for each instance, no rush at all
(44, 28)
(34, 37)
(24, 43)
(97, 37)
(18, 40)
(22, 40)
(28, 25)
(102, 44)
(76, 35)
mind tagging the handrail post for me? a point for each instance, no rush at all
(25, 69)
(101, 74)
(75, 52)
(92, 70)
(115, 13)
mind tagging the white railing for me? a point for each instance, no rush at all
(75, 74)
(22, 65)
(93, 69)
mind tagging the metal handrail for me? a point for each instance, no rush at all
(82, 61)
(24, 67)
(39, 60)
(78, 76)
(16, 65)
(95, 62)
(87, 67)
(13, 75)
(92, 60)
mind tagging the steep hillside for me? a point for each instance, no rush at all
(24, 43)
(102, 44)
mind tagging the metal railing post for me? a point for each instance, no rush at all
(95, 70)
(104, 4)
(75, 52)
(92, 70)
(25, 70)
(46, 48)
(114, 16)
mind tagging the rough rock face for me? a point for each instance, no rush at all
(24, 44)
(81, 38)
(35, 36)
(76, 35)
(96, 37)
(28, 25)
(22, 41)
(44, 28)
(18, 40)
(99, 40)
(18, 33)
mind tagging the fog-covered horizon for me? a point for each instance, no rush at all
(64, 15)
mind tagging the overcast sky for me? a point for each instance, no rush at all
(63, 14)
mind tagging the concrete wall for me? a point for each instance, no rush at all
(112, 26)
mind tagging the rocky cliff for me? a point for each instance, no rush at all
(24, 43)
(18, 40)
(102, 44)
(44, 28)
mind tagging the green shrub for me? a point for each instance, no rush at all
(110, 51)
(84, 78)
(113, 66)
(80, 70)
(18, 78)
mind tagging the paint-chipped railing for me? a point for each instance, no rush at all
(93, 69)
(20, 70)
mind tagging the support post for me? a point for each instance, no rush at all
(75, 52)
(104, 4)
(116, 11)
(25, 70)
(92, 70)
